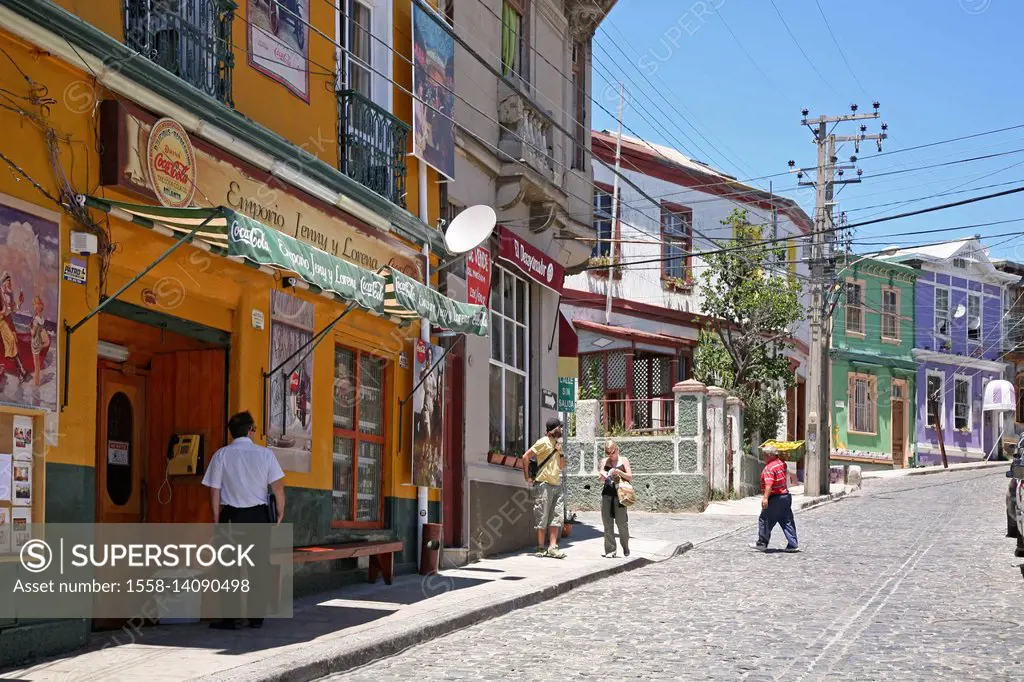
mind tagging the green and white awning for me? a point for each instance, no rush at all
(406, 298)
(237, 236)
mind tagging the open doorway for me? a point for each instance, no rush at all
(158, 376)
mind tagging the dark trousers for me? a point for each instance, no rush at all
(256, 600)
(614, 514)
(779, 511)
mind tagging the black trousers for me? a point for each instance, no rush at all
(256, 599)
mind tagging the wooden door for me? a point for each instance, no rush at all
(454, 416)
(899, 423)
(121, 448)
(187, 394)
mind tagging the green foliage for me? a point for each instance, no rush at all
(753, 307)
(590, 383)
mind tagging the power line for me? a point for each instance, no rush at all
(839, 47)
(799, 47)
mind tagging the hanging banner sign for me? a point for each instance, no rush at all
(530, 260)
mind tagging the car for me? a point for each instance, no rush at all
(1015, 499)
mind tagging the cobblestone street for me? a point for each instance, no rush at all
(911, 578)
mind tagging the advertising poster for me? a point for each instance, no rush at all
(22, 482)
(6, 478)
(5, 530)
(290, 427)
(433, 82)
(21, 518)
(478, 276)
(278, 42)
(427, 405)
(22, 435)
(29, 301)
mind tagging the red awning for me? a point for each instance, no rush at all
(634, 335)
(529, 260)
(568, 341)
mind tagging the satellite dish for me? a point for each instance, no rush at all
(960, 311)
(470, 228)
(974, 324)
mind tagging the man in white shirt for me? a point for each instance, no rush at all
(238, 477)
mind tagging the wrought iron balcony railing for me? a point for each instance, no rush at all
(372, 145)
(189, 38)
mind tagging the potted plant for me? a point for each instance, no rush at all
(601, 264)
(947, 345)
(678, 283)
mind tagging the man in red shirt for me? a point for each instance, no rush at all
(776, 503)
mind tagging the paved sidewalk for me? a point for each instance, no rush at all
(337, 631)
(917, 471)
(751, 506)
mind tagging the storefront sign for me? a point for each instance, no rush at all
(478, 276)
(75, 270)
(405, 295)
(260, 244)
(229, 184)
(171, 161)
(530, 260)
(566, 394)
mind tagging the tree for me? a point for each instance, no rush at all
(753, 303)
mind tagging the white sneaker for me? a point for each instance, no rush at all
(610, 555)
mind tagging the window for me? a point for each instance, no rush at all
(862, 412)
(960, 263)
(973, 317)
(961, 403)
(891, 314)
(677, 240)
(358, 438)
(603, 225)
(579, 109)
(358, 43)
(510, 305)
(935, 399)
(854, 306)
(941, 311)
(514, 40)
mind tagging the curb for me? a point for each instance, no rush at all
(284, 670)
(824, 499)
(924, 471)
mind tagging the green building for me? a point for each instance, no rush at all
(873, 368)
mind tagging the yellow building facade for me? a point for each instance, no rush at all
(267, 130)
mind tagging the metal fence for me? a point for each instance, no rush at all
(637, 416)
(189, 38)
(372, 145)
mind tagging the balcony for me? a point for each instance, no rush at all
(189, 38)
(526, 133)
(1013, 331)
(372, 146)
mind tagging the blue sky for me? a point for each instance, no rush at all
(940, 69)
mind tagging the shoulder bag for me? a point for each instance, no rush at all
(627, 496)
(535, 468)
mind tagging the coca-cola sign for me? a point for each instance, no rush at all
(531, 261)
(172, 164)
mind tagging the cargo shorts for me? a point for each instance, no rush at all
(547, 505)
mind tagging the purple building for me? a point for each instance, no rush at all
(958, 311)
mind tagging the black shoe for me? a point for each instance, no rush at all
(256, 623)
(224, 625)
(792, 550)
(625, 552)
(758, 546)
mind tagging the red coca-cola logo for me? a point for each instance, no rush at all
(175, 170)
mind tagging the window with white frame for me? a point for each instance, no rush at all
(941, 311)
(974, 317)
(863, 405)
(935, 398)
(357, 41)
(603, 224)
(891, 313)
(960, 263)
(509, 363)
(961, 403)
(854, 306)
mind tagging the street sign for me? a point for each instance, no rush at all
(566, 394)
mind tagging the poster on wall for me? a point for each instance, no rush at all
(22, 482)
(22, 436)
(5, 530)
(427, 405)
(6, 477)
(21, 532)
(278, 42)
(433, 82)
(290, 424)
(29, 301)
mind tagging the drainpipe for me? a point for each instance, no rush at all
(421, 491)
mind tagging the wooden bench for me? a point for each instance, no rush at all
(381, 553)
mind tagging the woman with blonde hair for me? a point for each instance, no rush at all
(614, 468)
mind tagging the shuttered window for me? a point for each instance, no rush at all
(863, 409)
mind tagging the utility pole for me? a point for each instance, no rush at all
(615, 212)
(819, 428)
